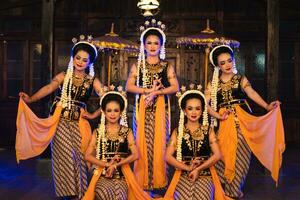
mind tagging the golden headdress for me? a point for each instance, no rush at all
(181, 95)
(215, 79)
(67, 85)
(101, 128)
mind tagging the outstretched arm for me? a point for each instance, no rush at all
(252, 94)
(44, 91)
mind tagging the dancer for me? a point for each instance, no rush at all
(152, 80)
(196, 150)
(67, 128)
(111, 150)
(242, 133)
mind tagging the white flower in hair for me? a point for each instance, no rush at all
(105, 89)
(120, 88)
(81, 37)
(192, 85)
(89, 38)
(74, 40)
(111, 87)
(199, 87)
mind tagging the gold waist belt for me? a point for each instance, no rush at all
(72, 113)
(234, 102)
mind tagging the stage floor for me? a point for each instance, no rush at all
(31, 179)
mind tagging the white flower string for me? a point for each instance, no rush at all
(213, 94)
(68, 80)
(215, 80)
(181, 95)
(101, 139)
(160, 27)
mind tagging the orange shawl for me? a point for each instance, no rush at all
(141, 165)
(34, 134)
(219, 193)
(264, 135)
(134, 190)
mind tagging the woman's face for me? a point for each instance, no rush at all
(225, 62)
(112, 112)
(152, 45)
(193, 110)
(81, 60)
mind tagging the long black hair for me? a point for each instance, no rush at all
(84, 47)
(219, 51)
(112, 98)
(153, 32)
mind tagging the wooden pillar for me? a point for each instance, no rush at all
(47, 45)
(220, 15)
(272, 49)
(297, 70)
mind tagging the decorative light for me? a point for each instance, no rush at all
(148, 7)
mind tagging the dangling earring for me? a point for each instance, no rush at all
(162, 53)
(234, 70)
(91, 70)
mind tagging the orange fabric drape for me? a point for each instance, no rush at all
(141, 165)
(228, 144)
(159, 165)
(218, 195)
(90, 192)
(135, 192)
(169, 195)
(264, 135)
(34, 134)
(85, 131)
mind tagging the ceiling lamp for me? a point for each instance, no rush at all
(148, 7)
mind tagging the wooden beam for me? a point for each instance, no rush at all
(272, 49)
(220, 16)
(47, 44)
(18, 4)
